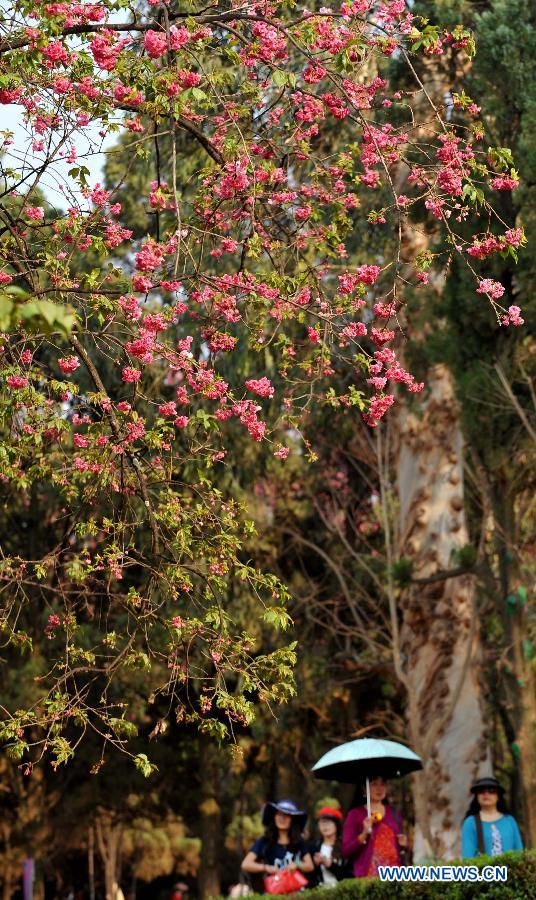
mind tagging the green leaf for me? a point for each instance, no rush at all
(17, 749)
(279, 78)
(6, 311)
(47, 310)
(278, 617)
(144, 765)
(123, 728)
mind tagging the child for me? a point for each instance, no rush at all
(330, 866)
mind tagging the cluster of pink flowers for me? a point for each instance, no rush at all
(36, 213)
(269, 46)
(234, 180)
(493, 289)
(435, 206)
(384, 368)
(149, 257)
(349, 281)
(504, 183)
(313, 74)
(141, 283)
(130, 307)
(116, 234)
(377, 409)
(105, 49)
(480, 249)
(17, 381)
(50, 628)
(100, 196)
(513, 316)
(143, 347)
(155, 42)
(168, 409)
(130, 375)
(219, 341)
(69, 364)
(247, 414)
(352, 332)
(282, 452)
(55, 53)
(485, 246)
(384, 310)
(260, 187)
(261, 386)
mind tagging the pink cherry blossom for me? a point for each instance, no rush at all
(493, 289)
(17, 381)
(155, 43)
(262, 386)
(36, 213)
(69, 364)
(130, 375)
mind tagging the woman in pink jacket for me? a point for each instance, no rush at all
(369, 842)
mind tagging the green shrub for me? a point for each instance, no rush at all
(521, 884)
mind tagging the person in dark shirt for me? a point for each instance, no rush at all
(282, 846)
(330, 866)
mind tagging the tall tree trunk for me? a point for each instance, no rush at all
(91, 861)
(210, 821)
(525, 719)
(439, 631)
(7, 883)
(518, 681)
(109, 838)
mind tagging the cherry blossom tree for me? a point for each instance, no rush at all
(131, 362)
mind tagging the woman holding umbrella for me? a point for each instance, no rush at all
(374, 840)
(372, 834)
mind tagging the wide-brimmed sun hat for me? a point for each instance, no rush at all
(487, 784)
(288, 807)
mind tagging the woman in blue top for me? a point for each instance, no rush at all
(488, 814)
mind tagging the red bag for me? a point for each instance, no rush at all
(285, 882)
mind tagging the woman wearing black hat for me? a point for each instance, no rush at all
(282, 846)
(488, 827)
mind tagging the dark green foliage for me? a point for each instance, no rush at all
(521, 884)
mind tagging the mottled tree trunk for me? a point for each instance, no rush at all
(439, 633)
(210, 821)
(7, 884)
(518, 681)
(91, 861)
(525, 720)
(109, 839)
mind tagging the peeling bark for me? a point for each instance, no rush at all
(439, 635)
(210, 821)
(518, 681)
(109, 839)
